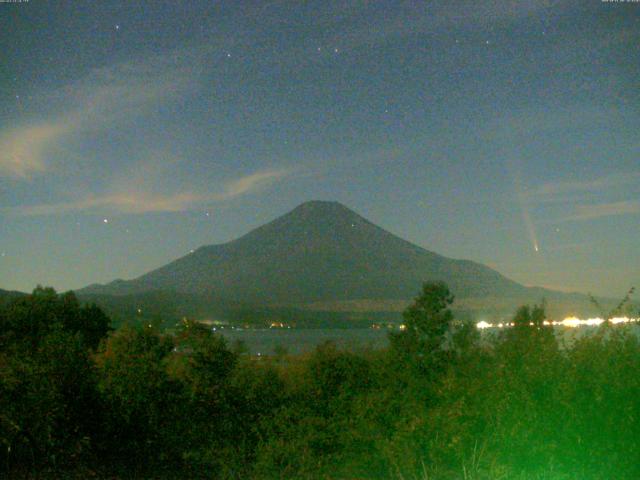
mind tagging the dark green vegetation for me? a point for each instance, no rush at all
(6, 296)
(321, 256)
(79, 400)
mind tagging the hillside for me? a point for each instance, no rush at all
(325, 257)
(8, 295)
(320, 251)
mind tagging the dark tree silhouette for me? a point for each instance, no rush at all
(426, 337)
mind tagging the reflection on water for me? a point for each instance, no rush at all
(300, 340)
(571, 322)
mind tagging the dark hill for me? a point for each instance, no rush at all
(8, 295)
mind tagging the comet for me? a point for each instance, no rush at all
(523, 201)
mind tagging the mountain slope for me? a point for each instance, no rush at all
(7, 296)
(318, 252)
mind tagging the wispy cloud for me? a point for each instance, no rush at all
(588, 199)
(105, 96)
(557, 190)
(590, 212)
(135, 202)
(528, 124)
(568, 246)
(108, 98)
(23, 150)
(250, 183)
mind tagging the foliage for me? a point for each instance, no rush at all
(427, 323)
(619, 309)
(440, 403)
(48, 398)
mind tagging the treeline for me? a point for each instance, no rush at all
(80, 400)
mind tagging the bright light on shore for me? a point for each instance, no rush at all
(570, 322)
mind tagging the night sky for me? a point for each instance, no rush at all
(499, 131)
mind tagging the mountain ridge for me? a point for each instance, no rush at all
(319, 251)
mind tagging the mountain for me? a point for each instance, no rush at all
(8, 295)
(324, 256)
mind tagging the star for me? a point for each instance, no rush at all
(117, 27)
(105, 220)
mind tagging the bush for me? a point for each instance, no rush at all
(436, 404)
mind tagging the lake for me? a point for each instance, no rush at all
(300, 340)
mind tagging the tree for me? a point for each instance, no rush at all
(529, 373)
(203, 365)
(427, 336)
(47, 389)
(141, 399)
(202, 361)
(619, 309)
(529, 337)
(30, 318)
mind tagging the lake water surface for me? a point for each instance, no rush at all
(300, 340)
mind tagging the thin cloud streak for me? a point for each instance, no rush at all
(251, 182)
(557, 190)
(104, 97)
(568, 246)
(139, 202)
(591, 212)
